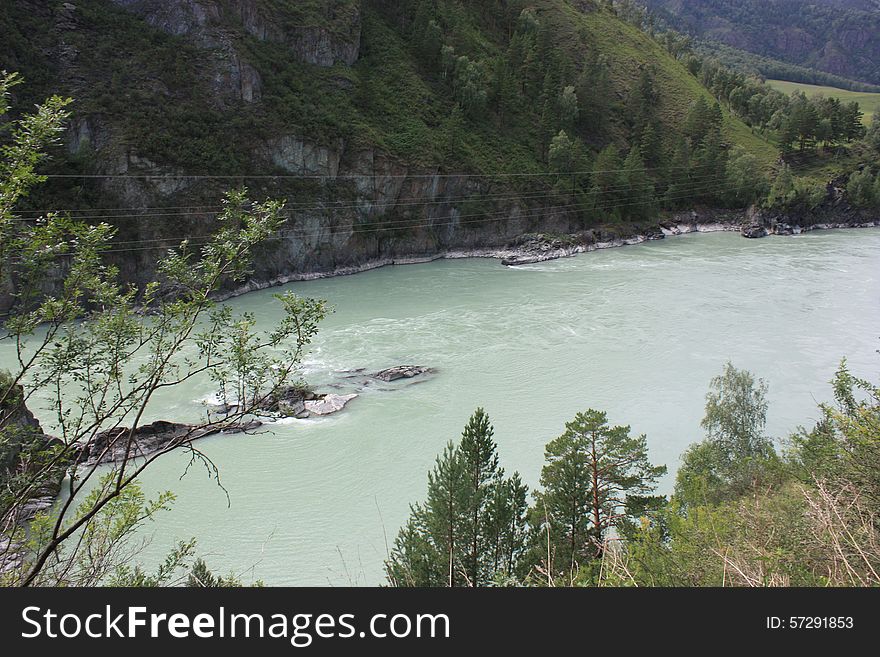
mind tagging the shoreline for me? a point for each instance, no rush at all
(513, 256)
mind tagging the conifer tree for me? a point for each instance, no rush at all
(471, 528)
(608, 179)
(639, 188)
(678, 175)
(594, 473)
(697, 122)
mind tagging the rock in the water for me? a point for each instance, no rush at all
(402, 372)
(329, 404)
(288, 401)
(291, 408)
(113, 445)
(754, 231)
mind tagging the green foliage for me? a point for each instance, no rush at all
(639, 188)
(872, 136)
(471, 529)
(813, 523)
(596, 476)
(845, 443)
(566, 159)
(519, 74)
(746, 181)
(782, 191)
(862, 189)
(201, 577)
(100, 359)
(608, 180)
(736, 454)
(108, 535)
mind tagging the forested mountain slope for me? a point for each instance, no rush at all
(840, 37)
(381, 119)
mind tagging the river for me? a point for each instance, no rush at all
(636, 331)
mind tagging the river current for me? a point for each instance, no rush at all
(636, 331)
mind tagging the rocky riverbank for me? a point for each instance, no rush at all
(531, 248)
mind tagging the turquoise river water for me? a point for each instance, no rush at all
(636, 331)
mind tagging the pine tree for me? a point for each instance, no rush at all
(678, 175)
(471, 528)
(593, 91)
(568, 108)
(506, 527)
(442, 515)
(696, 123)
(639, 188)
(608, 179)
(480, 464)
(709, 160)
(454, 131)
(643, 102)
(851, 121)
(593, 476)
(651, 145)
(565, 157)
(560, 517)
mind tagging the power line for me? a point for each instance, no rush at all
(482, 218)
(325, 177)
(404, 223)
(212, 207)
(332, 206)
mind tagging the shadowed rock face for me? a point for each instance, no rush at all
(328, 38)
(22, 437)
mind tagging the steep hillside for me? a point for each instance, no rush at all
(381, 121)
(840, 37)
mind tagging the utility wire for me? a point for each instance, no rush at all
(333, 206)
(324, 177)
(483, 218)
(405, 223)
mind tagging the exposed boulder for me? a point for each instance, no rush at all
(113, 445)
(754, 231)
(402, 372)
(289, 401)
(329, 403)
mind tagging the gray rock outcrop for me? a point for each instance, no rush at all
(402, 372)
(329, 403)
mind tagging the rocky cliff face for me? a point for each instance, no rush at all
(334, 39)
(369, 208)
(380, 211)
